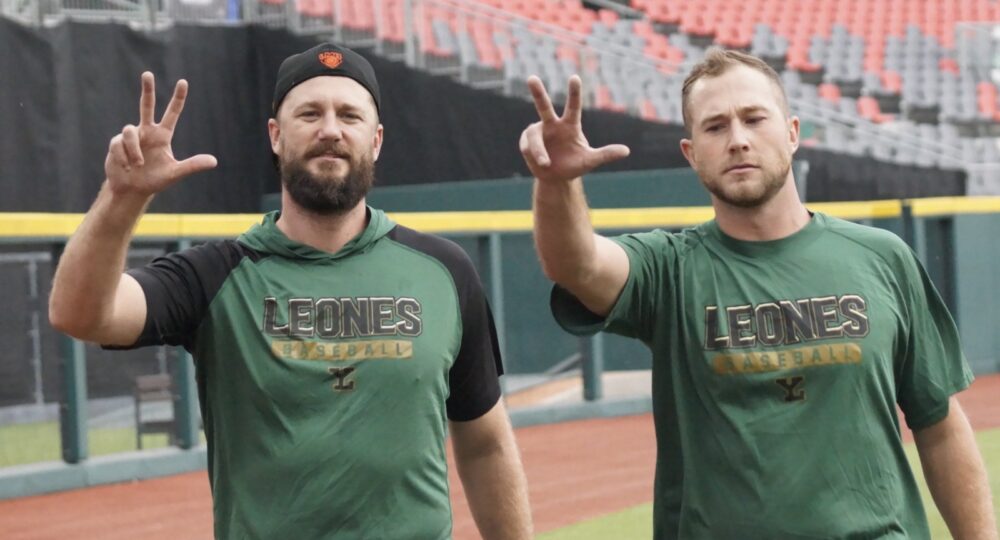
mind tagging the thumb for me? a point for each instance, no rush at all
(607, 154)
(195, 164)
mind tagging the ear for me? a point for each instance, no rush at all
(793, 133)
(274, 132)
(687, 148)
(377, 142)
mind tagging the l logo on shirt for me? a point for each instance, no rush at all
(341, 374)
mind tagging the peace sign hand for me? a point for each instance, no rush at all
(140, 159)
(555, 148)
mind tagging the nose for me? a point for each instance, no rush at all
(330, 127)
(739, 137)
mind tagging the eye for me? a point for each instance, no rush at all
(755, 120)
(714, 128)
(309, 114)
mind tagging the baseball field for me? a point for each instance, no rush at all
(589, 479)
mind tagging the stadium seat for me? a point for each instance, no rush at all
(316, 8)
(603, 100)
(354, 16)
(987, 101)
(868, 108)
(647, 111)
(829, 92)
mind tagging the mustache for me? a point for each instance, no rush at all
(324, 149)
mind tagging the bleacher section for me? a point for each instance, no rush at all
(870, 77)
(891, 79)
(860, 71)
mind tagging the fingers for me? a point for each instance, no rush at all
(574, 103)
(124, 150)
(116, 154)
(176, 105)
(532, 146)
(130, 144)
(194, 164)
(147, 102)
(541, 98)
(536, 146)
(606, 154)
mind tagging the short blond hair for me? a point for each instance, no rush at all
(718, 61)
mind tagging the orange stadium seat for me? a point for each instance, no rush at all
(603, 100)
(607, 17)
(648, 112)
(663, 13)
(493, 45)
(390, 27)
(428, 41)
(316, 8)
(986, 94)
(643, 28)
(829, 92)
(948, 64)
(869, 109)
(356, 15)
(892, 81)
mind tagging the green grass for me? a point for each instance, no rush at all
(637, 522)
(32, 443)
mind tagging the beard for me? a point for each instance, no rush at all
(327, 193)
(746, 195)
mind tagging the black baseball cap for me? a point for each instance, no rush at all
(324, 59)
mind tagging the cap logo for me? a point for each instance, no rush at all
(331, 59)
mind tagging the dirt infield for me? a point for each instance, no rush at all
(576, 470)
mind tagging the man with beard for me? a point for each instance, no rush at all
(782, 339)
(330, 343)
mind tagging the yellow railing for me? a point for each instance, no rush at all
(945, 206)
(30, 225)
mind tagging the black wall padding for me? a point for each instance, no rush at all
(835, 177)
(65, 91)
(29, 125)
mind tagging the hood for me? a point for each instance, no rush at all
(266, 237)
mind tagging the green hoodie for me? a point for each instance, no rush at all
(326, 378)
(265, 237)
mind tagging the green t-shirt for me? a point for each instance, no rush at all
(777, 368)
(326, 379)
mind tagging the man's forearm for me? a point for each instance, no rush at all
(497, 492)
(957, 477)
(564, 236)
(90, 267)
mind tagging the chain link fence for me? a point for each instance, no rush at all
(31, 370)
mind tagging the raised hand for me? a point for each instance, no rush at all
(555, 148)
(140, 160)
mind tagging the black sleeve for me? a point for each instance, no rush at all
(179, 287)
(474, 378)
